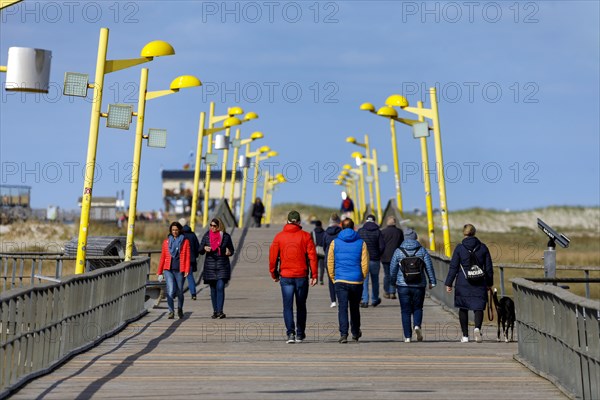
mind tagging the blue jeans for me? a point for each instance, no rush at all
(349, 295)
(174, 288)
(331, 289)
(411, 304)
(386, 279)
(191, 283)
(297, 287)
(374, 274)
(217, 294)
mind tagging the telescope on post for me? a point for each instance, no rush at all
(550, 253)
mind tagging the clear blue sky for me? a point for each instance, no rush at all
(518, 94)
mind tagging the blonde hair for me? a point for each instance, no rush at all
(469, 230)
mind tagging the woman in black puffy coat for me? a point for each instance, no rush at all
(218, 247)
(470, 295)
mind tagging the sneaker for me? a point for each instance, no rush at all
(355, 338)
(194, 297)
(333, 304)
(291, 338)
(386, 296)
(171, 315)
(376, 303)
(180, 313)
(363, 305)
(465, 339)
(221, 315)
(393, 296)
(407, 340)
(300, 338)
(477, 334)
(343, 339)
(322, 283)
(418, 333)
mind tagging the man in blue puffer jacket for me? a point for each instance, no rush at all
(411, 295)
(347, 266)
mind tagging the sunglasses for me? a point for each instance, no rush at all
(213, 225)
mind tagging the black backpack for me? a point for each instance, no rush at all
(412, 266)
(473, 272)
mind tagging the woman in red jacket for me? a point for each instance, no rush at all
(175, 265)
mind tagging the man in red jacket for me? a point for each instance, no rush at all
(293, 248)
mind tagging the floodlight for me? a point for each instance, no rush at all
(119, 116)
(236, 143)
(221, 142)
(157, 138)
(28, 70)
(243, 162)
(211, 159)
(76, 84)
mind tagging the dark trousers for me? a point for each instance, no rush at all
(349, 296)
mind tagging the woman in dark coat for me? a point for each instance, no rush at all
(470, 295)
(218, 247)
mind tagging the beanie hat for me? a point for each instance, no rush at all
(370, 218)
(293, 216)
(410, 234)
(334, 219)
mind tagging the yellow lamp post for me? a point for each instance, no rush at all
(433, 114)
(178, 83)
(278, 179)
(365, 145)
(202, 132)
(79, 87)
(373, 161)
(361, 189)
(249, 116)
(234, 162)
(263, 149)
(257, 160)
(8, 3)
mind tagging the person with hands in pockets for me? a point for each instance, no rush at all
(174, 267)
(411, 287)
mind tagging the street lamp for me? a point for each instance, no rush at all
(103, 66)
(365, 145)
(373, 161)
(257, 160)
(237, 143)
(270, 184)
(228, 122)
(262, 149)
(249, 116)
(178, 83)
(361, 189)
(27, 70)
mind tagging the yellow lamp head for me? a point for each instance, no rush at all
(231, 111)
(256, 135)
(157, 48)
(367, 107)
(357, 154)
(185, 81)
(347, 167)
(280, 178)
(250, 115)
(264, 149)
(231, 121)
(351, 139)
(396, 100)
(272, 153)
(343, 174)
(387, 112)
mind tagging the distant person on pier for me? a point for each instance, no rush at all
(218, 247)
(292, 249)
(470, 292)
(194, 252)
(318, 235)
(347, 207)
(258, 210)
(331, 233)
(393, 237)
(174, 267)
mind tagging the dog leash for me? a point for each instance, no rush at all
(490, 310)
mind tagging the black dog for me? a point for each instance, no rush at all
(505, 308)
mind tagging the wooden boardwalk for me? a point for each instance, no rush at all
(245, 355)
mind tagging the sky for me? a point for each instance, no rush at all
(518, 94)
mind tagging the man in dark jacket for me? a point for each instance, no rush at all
(393, 237)
(371, 234)
(331, 233)
(194, 250)
(318, 235)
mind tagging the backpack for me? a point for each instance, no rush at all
(412, 266)
(474, 273)
(346, 204)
